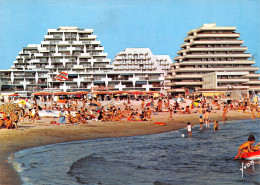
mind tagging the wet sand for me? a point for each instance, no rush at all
(41, 133)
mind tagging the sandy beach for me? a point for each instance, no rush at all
(42, 133)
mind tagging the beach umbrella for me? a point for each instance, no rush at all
(9, 107)
(14, 95)
(23, 102)
(196, 102)
(156, 95)
(256, 98)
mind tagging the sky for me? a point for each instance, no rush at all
(160, 25)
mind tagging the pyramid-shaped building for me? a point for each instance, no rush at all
(212, 59)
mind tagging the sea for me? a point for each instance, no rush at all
(158, 159)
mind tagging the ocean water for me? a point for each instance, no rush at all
(159, 159)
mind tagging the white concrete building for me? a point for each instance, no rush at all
(68, 49)
(139, 69)
(78, 53)
(215, 50)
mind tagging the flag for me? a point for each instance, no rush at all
(62, 76)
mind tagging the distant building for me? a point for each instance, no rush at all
(139, 69)
(212, 59)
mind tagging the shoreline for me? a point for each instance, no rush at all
(39, 134)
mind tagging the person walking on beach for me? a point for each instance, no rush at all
(33, 114)
(189, 129)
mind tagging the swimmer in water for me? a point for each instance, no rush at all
(247, 147)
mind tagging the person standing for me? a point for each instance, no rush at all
(62, 117)
(16, 119)
(206, 118)
(170, 116)
(201, 122)
(189, 129)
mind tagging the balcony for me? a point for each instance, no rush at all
(242, 55)
(191, 83)
(175, 90)
(255, 88)
(233, 87)
(231, 48)
(228, 62)
(95, 42)
(253, 82)
(38, 54)
(217, 69)
(219, 42)
(6, 82)
(99, 48)
(255, 75)
(229, 80)
(85, 30)
(191, 76)
(212, 35)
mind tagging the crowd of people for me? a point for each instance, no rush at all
(79, 111)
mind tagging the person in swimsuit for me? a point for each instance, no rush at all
(189, 129)
(247, 147)
(206, 118)
(201, 122)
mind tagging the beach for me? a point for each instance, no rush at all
(42, 133)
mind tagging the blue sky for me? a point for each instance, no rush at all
(160, 25)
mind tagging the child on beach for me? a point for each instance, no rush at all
(189, 129)
(247, 147)
(216, 125)
(170, 116)
(9, 123)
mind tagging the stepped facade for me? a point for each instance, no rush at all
(212, 59)
(139, 69)
(78, 53)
